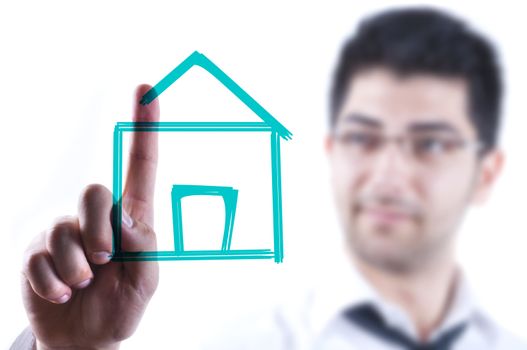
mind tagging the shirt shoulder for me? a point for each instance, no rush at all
(506, 340)
(487, 333)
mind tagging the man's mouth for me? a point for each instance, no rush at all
(386, 216)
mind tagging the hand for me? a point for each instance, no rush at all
(74, 296)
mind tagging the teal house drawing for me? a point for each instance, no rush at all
(268, 124)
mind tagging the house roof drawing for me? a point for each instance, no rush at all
(198, 59)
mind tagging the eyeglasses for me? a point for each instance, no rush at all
(428, 148)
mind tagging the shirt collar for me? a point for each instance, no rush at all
(345, 287)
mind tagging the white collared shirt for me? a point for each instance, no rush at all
(315, 321)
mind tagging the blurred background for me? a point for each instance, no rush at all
(67, 75)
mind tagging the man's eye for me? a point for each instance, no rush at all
(361, 139)
(433, 146)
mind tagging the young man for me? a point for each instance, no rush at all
(413, 142)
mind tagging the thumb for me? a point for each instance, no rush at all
(137, 236)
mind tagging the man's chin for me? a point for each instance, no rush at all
(384, 248)
(390, 261)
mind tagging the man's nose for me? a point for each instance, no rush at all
(391, 169)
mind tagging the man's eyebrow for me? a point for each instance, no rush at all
(415, 127)
(363, 120)
(432, 126)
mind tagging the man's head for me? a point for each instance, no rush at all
(414, 122)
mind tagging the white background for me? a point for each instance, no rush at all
(67, 75)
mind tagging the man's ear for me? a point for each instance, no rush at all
(328, 144)
(489, 171)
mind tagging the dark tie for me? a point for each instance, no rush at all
(367, 317)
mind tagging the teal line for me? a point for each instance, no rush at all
(199, 252)
(177, 221)
(195, 255)
(193, 126)
(229, 124)
(169, 79)
(189, 129)
(186, 189)
(117, 190)
(230, 210)
(199, 59)
(229, 196)
(201, 257)
(277, 198)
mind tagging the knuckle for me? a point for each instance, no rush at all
(77, 275)
(49, 290)
(73, 269)
(143, 156)
(94, 193)
(32, 261)
(97, 244)
(148, 234)
(64, 223)
(84, 273)
(97, 239)
(148, 231)
(60, 231)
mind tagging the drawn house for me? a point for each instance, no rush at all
(268, 124)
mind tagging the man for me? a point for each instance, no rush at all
(412, 143)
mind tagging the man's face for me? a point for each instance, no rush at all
(404, 165)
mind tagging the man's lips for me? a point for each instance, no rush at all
(386, 215)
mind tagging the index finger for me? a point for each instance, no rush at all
(138, 194)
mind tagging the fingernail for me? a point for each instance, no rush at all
(127, 220)
(62, 299)
(101, 257)
(82, 284)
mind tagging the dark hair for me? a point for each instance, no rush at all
(426, 40)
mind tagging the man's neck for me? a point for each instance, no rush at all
(425, 294)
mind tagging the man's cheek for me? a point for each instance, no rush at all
(342, 178)
(447, 203)
(344, 194)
